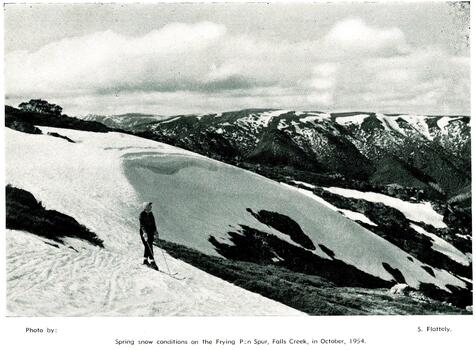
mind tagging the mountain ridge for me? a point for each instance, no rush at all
(432, 152)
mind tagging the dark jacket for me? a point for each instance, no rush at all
(147, 223)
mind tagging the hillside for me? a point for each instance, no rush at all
(211, 207)
(430, 153)
(84, 180)
(26, 120)
(128, 122)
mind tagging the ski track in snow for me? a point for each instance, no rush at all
(43, 280)
(95, 281)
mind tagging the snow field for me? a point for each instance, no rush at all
(85, 180)
(197, 199)
(101, 180)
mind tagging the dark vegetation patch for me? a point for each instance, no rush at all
(55, 134)
(428, 269)
(13, 115)
(396, 273)
(260, 247)
(459, 297)
(284, 224)
(25, 213)
(308, 293)
(392, 170)
(332, 179)
(20, 125)
(209, 143)
(346, 159)
(459, 220)
(326, 250)
(277, 148)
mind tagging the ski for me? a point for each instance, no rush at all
(156, 268)
(173, 275)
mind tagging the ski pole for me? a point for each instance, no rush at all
(165, 260)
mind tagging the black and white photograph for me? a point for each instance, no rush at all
(237, 159)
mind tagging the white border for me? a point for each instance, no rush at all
(380, 332)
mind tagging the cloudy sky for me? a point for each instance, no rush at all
(184, 58)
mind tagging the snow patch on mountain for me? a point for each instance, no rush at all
(390, 123)
(443, 123)
(304, 184)
(347, 213)
(353, 119)
(440, 245)
(311, 118)
(256, 121)
(282, 124)
(271, 114)
(417, 122)
(413, 211)
(170, 120)
(353, 215)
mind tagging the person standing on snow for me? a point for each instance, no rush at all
(147, 233)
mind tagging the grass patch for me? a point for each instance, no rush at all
(24, 212)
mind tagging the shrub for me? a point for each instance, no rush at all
(24, 212)
(40, 106)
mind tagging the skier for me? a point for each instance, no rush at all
(147, 232)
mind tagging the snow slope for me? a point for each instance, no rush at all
(413, 211)
(444, 247)
(198, 197)
(347, 213)
(101, 180)
(85, 180)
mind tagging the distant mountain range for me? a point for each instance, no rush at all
(431, 153)
(128, 122)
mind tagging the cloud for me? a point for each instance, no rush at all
(353, 36)
(202, 67)
(426, 81)
(164, 59)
